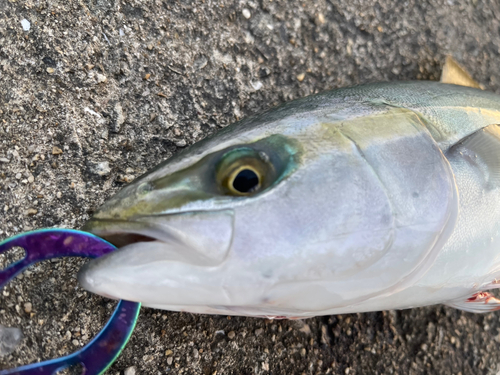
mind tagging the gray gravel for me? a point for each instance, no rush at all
(96, 92)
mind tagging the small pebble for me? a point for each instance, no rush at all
(75, 342)
(26, 24)
(231, 335)
(128, 178)
(306, 329)
(94, 113)
(168, 352)
(170, 360)
(10, 338)
(31, 179)
(102, 168)
(256, 85)
(58, 194)
(130, 371)
(105, 133)
(146, 77)
(32, 211)
(56, 150)
(259, 331)
(101, 78)
(50, 70)
(181, 143)
(246, 13)
(28, 307)
(320, 19)
(200, 63)
(301, 76)
(18, 176)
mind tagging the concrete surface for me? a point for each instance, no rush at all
(98, 91)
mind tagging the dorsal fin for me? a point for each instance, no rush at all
(454, 74)
(484, 143)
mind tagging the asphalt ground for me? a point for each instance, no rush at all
(96, 92)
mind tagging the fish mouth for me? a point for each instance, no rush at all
(123, 239)
(120, 233)
(208, 234)
(191, 240)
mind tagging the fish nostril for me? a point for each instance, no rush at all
(144, 188)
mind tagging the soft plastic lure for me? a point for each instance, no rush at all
(103, 350)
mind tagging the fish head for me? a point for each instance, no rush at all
(225, 225)
(176, 226)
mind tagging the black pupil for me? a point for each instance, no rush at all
(246, 181)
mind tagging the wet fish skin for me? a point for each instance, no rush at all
(372, 199)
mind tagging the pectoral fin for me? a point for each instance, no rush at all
(480, 302)
(454, 74)
(482, 148)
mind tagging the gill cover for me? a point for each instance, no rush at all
(398, 243)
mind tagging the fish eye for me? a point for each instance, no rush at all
(244, 172)
(244, 180)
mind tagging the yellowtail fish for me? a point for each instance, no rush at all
(382, 196)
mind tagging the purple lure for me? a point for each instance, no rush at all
(102, 351)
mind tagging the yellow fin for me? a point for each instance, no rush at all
(454, 74)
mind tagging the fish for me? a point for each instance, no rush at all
(373, 197)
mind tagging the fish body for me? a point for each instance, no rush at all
(382, 196)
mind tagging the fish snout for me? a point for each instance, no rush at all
(154, 249)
